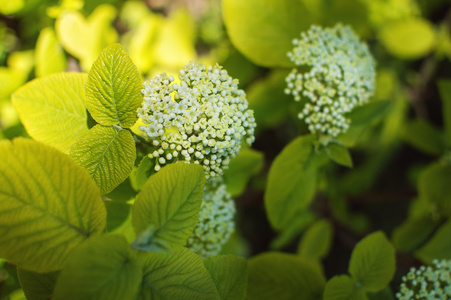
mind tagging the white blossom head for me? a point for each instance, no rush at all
(216, 221)
(428, 282)
(339, 76)
(203, 119)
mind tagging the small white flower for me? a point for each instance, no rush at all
(216, 221)
(341, 76)
(205, 112)
(428, 282)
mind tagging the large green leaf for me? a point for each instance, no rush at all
(291, 182)
(113, 89)
(48, 205)
(37, 286)
(241, 169)
(263, 30)
(283, 276)
(316, 241)
(424, 137)
(444, 87)
(438, 247)
(372, 262)
(49, 55)
(180, 275)
(229, 274)
(101, 268)
(52, 109)
(167, 208)
(343, 287)
(433, 187)
(107, 153)
(408, 38)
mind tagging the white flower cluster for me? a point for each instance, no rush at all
(202, 120)
(216, 221)
(429, 283)
(340, 76)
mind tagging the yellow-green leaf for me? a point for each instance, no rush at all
(343, 287)
(316, 241)
(107, 153)
(409, 38)
(102, 268)
(168, 206)
(37, 286)
(49, 55)
(113, 89)
(52, 109)
(48, 205)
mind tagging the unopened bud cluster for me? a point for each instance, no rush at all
(201, 119)
(428, 282)
(216, 221)
(340, 75)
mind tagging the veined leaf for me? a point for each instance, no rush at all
(343, 287)
(101, 268)
(113, 89)
(372, 262)
(37, 286)
(263, 30)
(169, 204)
(412, 233)
(316, 241)
(283, 276)
(49, 55)
(107, 154)
(291, 182)
(229, 274)
(143, 172)
(424, 137)
(48, 205)
(180, 275)
(52, 109)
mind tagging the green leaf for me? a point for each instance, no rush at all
(372, 262)
(303, 219)
(37, 286)
(10, 80)
(291, 182)
(246, 164)
(438, 247)
(433, 187)
(169, 203)
(343, 287)
(408, 38)
(113, 89)
(101, 268)
(316, 241)
(339, 154)
(107, 154)
(424, 137)
(263, 30)
(52, 109)
(283, 276)
(49, 55)
(413, 233)
(361, 118)
(444, 87)
(48, 205)
(229, 274)
(181, 275)
(117, 213)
